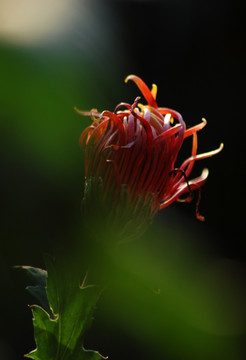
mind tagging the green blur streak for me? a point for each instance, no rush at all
(38, 93)
(158, 293)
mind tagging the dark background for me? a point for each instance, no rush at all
(195, 52)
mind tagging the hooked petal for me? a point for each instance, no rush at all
(202, 156)
(184, 188)
(195, 128)
(144, 89)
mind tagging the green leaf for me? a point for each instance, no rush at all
(59, 335)
(38, 290)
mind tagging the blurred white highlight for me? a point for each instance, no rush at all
(34, 21)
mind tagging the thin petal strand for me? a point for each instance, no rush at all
(202, 156)
(195, 128)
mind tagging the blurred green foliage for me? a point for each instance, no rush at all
(172, 296)
(38, 94)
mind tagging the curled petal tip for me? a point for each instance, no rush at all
(105, 113)
(129, 77)
(216, 151)
(221, 147)
(154, 91)
(209, 153)
(195, 128)
(200, 217)
(149, 96)
(204, 174)
(92, 112)
(80, 111)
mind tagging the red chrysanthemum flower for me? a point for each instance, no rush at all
(136, 147)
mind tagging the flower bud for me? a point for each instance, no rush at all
(130, 161)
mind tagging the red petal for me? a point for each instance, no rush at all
(144, 89)
(118, 122)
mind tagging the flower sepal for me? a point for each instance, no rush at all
(117, 217)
